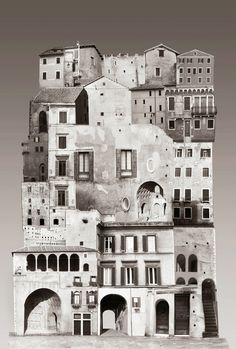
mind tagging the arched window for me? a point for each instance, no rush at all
(180, 281)
(86, 267)
(192, 281)
(74, 262)
(63, 262)
(180, 263)
(41, 262)
(43, 127)
(31, 262)
(52, 262)
(192, 263)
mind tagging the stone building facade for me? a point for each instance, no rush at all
(117, 196)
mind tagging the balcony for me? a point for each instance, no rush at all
(25, 146)
(197, 110)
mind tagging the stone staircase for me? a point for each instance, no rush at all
(211, 328)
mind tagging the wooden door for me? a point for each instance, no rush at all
(182, 308)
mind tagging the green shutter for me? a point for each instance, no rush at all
(118, 163)
(134, 163)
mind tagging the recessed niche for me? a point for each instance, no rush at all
(125, 204)
(85, 220)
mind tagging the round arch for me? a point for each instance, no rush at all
(42, 312)
(180, 281)
(162, 317)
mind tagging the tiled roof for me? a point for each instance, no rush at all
(147, 87)
(58, 95)
(55, 51)
(162, 46)
(51, 248)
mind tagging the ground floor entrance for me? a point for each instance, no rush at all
(162, 317)
(82, 324)
(182, 308)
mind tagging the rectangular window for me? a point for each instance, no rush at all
(200, 60)
(179, 153)
(129, 244)
(136, 302)
(151, 243)
(181, 70)
(194, 71)
(205, 195)
(44, 76)
(161, 53)
(44, 60)
(58, 75)
(150, 93)
(62, 117)
(152, 275)
(180, 80)
(186, 103)
(158, 71)
(108, 241)
(61, 198)
(188, 172)
(197, 124)
(62, 167)
(208, 80)
(107, 276)
(176, 212)
(150, 108)
(188, 80)
(172, 124)
(29, 221)
(177, 172)
(205, 213)
(62, 142)
(199, 80)
(208, 60)
(208, 70)
(83, 170)
(187, 195)
(205, 172)
(205, 153)
(135, 101)
(188, 212)
(199, 70)
(189, 60)
(129, 276)
(126, 162)
(159, 92)
(189, 70)
(210, 124)
(58, 60)
(176, 194)
(171, 104)
(160, 107)
(144, 101)
(189, 153)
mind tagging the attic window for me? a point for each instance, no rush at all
(44, 60)
(161, 53)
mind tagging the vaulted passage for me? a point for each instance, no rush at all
(162, 317)
(114, 314)
(42, 312)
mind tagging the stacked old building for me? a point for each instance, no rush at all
(117, 196)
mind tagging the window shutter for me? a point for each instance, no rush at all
(113, 248)
(67, 168)
(159, 276)
(57, 168)
(122, 243)
(135, 244)
(91, 165)
(113, 277)
(135, 276)
(87, 297)
(66, 198)
(56, 197)
(76, 166)
(144, 243)
(155, 243)
(72, 297)
(95, 297)
(118, 163)
(134, 163)
(146, 275)
(101, 244)
(122, 276)
(100, 276)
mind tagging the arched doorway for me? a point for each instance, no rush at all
(210, 308)
(114, 314)
(162, 317)
(42, 312)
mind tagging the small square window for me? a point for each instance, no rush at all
(187, 212)
(176, 212)
(197, 124)
(205, 172)
(102, 113)
(171, 124)
(177, 172)
(188, 172)
(58, 60)
(189, 153)
(205, 213)
(158, 71)
(62, 117)
(210, 124)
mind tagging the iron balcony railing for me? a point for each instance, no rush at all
(198, 110)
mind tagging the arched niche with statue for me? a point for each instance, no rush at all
(151, 202)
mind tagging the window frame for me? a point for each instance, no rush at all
(191, 210)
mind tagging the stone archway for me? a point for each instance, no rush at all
(114, 314)
(162, 317)
(42, 312)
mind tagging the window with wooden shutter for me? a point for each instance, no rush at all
(126, 163)
(187, 195)
(122, 243)
(205, 195)
(152, 275)
(100, 276)
(145, 249)
(122, 276)
(83, 166)
(113, 277)
(135, 244)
